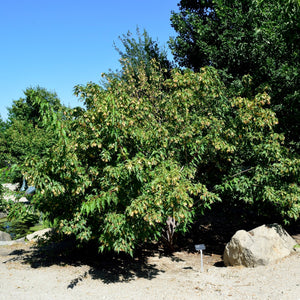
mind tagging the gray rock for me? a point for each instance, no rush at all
(34, 237)
(11, 186)
(3, 215)
(24, 200)
(261, 246)
(4, 236)
(7, 243)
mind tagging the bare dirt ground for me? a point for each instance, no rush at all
(58, 271)
(27, 272)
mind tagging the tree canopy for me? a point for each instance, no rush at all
(148, 151)
(143, 48)
(260, 38)
(24, 134)
(157, 146)
(32, 107)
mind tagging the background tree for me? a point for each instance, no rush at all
(143, 48)
(260, 38)
(24, 133)
(3, 126)
(22, 139)
(30, 108)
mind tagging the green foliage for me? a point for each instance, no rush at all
(2, 201)
(21, 217)
(33, 106)
(2, 172)
(143, 49)
(22, 139)
(149, 148)
(260, 38)
(3, 125)
(25, 134)
(156, 145)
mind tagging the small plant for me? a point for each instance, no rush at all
(11, 174)
(21, 218)
(2, 202)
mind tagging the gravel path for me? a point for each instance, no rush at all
(24, 276)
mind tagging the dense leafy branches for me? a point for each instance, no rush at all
(30, 109)
(143, 49)
(156, 145)
(146, 150)
(24, 134)
(22, 139)
(260, 38)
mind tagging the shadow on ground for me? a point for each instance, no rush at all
(109, 268)
(214, 230)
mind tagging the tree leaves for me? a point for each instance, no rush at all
(258, 38)
(147, 150)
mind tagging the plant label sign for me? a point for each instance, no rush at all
(200, 247)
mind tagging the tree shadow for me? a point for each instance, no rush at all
(218, 225)
(109, 267)
(219, 264)
(120, 269)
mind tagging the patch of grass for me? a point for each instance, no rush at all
(3, 220)
(37, 227)
(3, 224)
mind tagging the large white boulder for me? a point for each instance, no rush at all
(261, 246)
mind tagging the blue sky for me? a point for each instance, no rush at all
(58, 44)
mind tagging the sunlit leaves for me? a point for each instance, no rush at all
(148, 148)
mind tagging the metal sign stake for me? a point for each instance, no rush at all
(201, 261)
(200, 247)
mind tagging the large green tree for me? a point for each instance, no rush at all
(145, 152)
(260, 38)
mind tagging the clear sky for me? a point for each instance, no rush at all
(58, 44)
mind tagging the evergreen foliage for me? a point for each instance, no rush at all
(259, 38)
(143, 48)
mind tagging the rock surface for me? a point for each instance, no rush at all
(3, 214)
(12, 242)
(33, 237)
(4, 236)
(261, 246)
(11, 186)
(9, 189)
